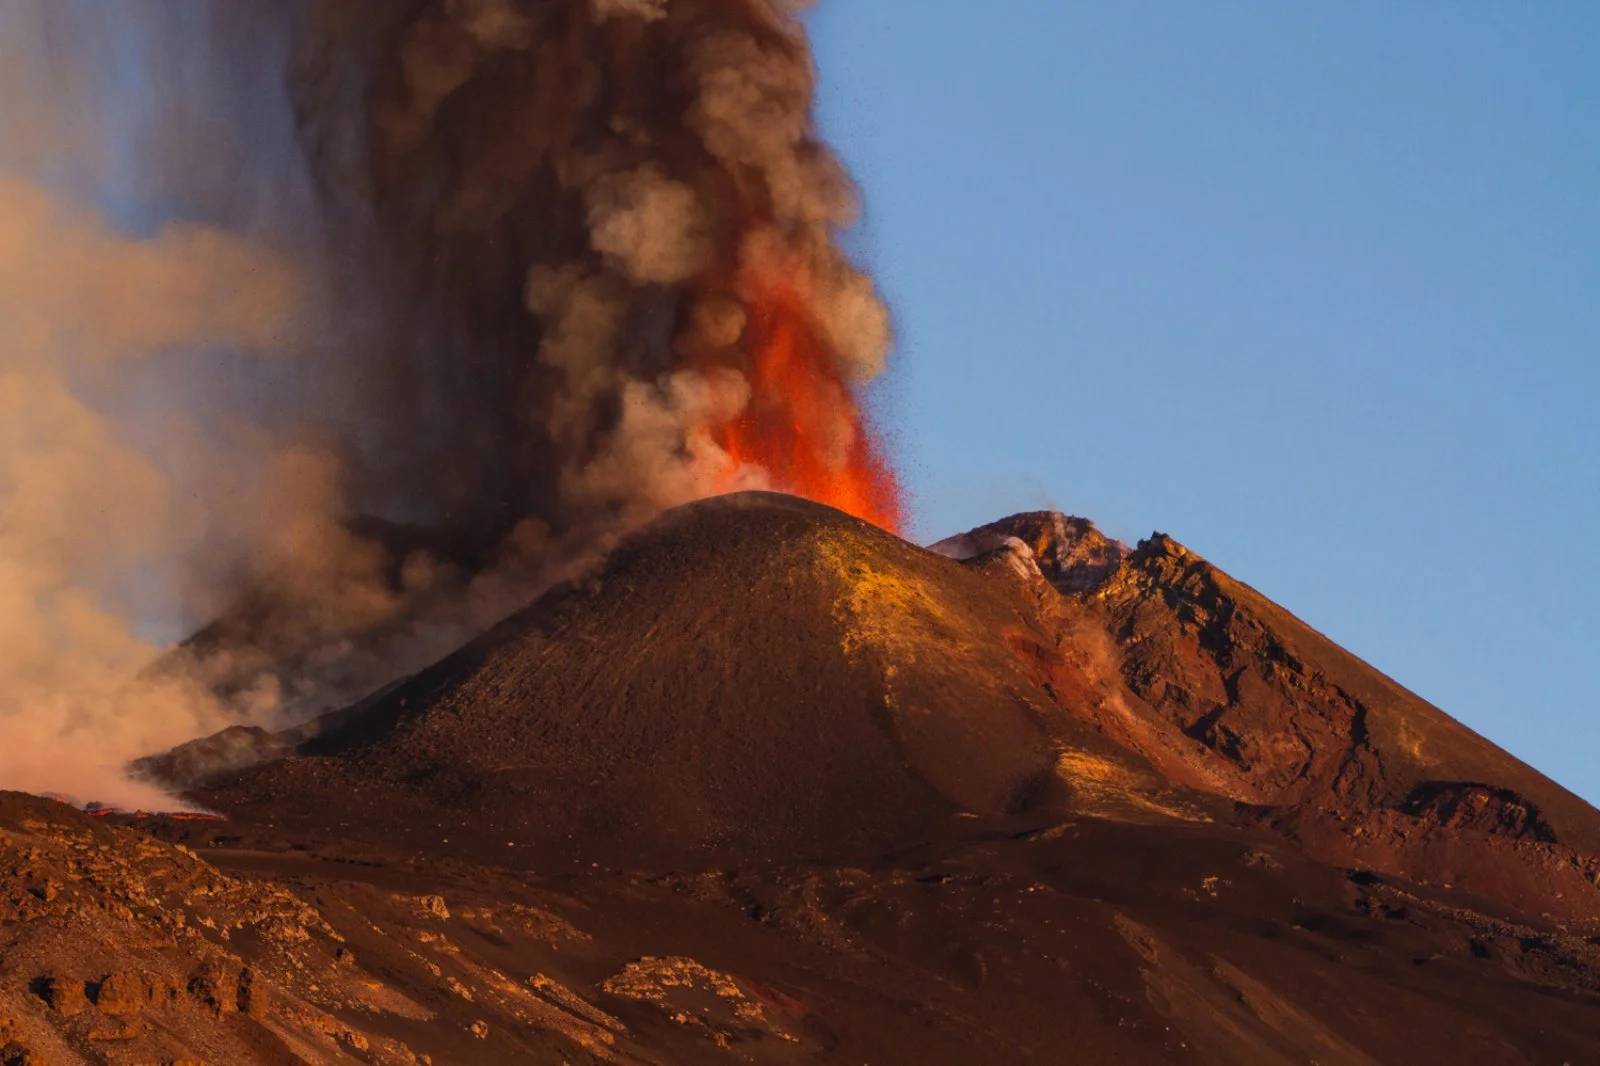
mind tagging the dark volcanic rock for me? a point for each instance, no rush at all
(752, 676)
(235, 748)
(65, 995)
(1070, 552)
(776, 787)
(1480, 808)
(1224, 690)
(763, 677)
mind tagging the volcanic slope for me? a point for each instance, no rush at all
(753, 676)
(758, 676)
(1226, 692)
(776, 787)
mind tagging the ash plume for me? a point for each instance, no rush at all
(581, 201)
(335, 330)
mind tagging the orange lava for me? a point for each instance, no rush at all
(803, 424)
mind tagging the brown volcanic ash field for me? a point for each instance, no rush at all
(777, 787)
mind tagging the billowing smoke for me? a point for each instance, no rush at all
(338, 329)
(613, 228)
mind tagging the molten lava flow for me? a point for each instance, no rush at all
(803, 425)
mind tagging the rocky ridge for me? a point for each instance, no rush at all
(775, 787)
(1227, 693)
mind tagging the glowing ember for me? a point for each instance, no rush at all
(803, 424)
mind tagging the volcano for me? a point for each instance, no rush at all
(773, 785)
(754, 676)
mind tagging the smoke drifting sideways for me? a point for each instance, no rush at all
(135, 291)
(333, 331)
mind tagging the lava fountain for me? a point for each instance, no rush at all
(804, 425)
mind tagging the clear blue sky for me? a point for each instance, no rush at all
(1315, 288)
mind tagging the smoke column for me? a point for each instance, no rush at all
(338, 329)
(615, 226)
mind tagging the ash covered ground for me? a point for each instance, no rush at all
(776, 786)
